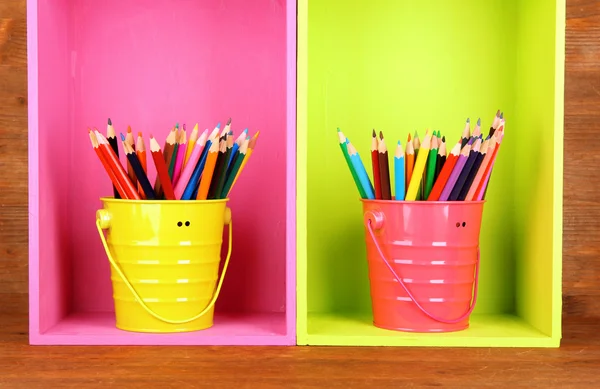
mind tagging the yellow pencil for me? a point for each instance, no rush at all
(190, 144)
(251, 147)
(417, 176)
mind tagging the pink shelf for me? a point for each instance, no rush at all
(150, 64)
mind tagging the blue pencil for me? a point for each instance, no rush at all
(361, 172)
(399, 172)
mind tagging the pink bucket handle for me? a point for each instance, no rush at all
(379, 224)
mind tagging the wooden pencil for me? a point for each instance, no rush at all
(417, 175)
(384, 169)
(167, 155)
(111, 136)
(117, 168)
(441, 158)
(131, 142)
(460, 163)
(190, 145)
(188, 169)
(140, 151)
(137, 168)
(495, 123)
(399, 173)
(109, 170)
(481, 170)
(180, 155)
(477, 129)
(430, 167)
(417, 147)
(375, 163)
(466, 170)
(251, 147)
(161, 168)
(445, 173)
(469, 181)
(218, 172)
(237, 163)
(344, 147)
(409, 156)
(466, 133)
(236, 147)
(361, 172)
(173, 159)
(482, 187)
(209, 169)
(191, 190)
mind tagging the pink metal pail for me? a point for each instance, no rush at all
(423, 263)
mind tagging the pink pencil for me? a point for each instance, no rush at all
(460, 163)
(180, 156)
(190, 165)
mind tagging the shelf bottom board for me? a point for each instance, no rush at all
(347, 329)
(93, 328)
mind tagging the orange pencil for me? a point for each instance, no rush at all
(107, 167)
(140, 151)
(209, 168)
(117, 168)
(161, 169)
(410, 161)
(440, 182)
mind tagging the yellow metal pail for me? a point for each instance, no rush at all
(164, 258)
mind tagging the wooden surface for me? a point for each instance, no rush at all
(575, 365)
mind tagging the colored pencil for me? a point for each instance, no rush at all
(186, 174)
(409, 162)
(495, 123)
(111, 136)
(167, 155)
(466, 170)
(488, 156)
(235, 168)
(460, 163)
(375, 163)
(209, 169)
(222, 173)
(140, 151)
(137, 168)
(190, 145)
(399, 172)
(161, 168)
(344, 148)
(384, 169)
(218, 172)
(417, 147)
(477, 129)
(251, 146)
(173, 159)
(117, 168)
(471, 177)
(482, 187)
(361, 171)
(445, 173)
(441, 158)
(191, 190)
(180, 155)
(466, 133)
(111, 174)
(430, 167)
(417, 176)
(236, 147)
(130, 141)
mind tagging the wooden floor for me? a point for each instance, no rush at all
(575, 365)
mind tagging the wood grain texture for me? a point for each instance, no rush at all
(574, 365)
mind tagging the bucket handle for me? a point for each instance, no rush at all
(141, 301)
(414, 300)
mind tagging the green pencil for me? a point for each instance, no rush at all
(344, 147)
(431, 164)
(172, 164)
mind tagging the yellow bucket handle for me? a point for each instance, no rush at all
(137, 296)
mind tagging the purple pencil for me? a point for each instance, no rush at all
(460, 163)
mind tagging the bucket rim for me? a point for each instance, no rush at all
(422, 202)
(108, 199)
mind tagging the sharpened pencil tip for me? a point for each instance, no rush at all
(381, 134)
(219, 125)
(468, 120)
(416, 135)
(479, 122)
(339, 129)
(184, 129)
(245, 131)
(109, 122)
(498, 113)
(151, 136)
(177, 125)
(128, 128)
(501, 115)
(140, 134)
(444, 138)
(229, 121)
(399, 143)
(374, 134)
(122, 137)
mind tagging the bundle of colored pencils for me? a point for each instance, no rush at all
(202, 167)
(429, 170)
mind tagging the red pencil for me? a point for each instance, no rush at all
(375, 162)
(117, 168)
(162, 172)
(440, 182)
(107, 167)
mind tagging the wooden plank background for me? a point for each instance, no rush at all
(572, 365)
